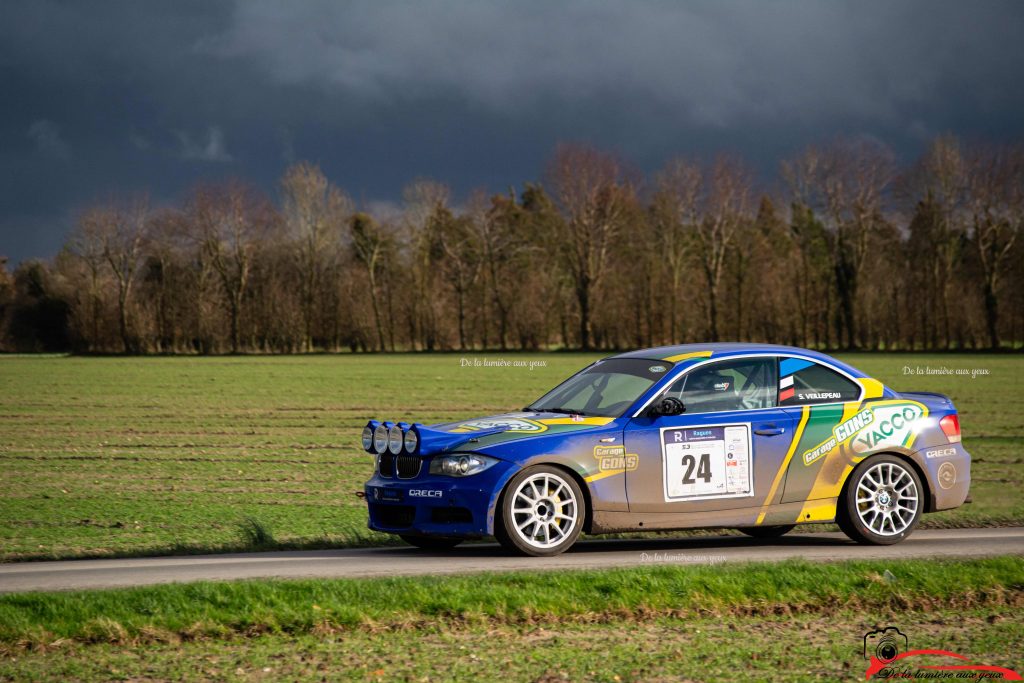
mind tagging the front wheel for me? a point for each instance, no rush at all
(882, 502)
(542, 512)
(431, 542)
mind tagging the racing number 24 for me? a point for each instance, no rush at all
(703, 469)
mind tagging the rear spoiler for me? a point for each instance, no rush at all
(931, 399)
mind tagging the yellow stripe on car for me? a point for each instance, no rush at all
(687, 356)
(818, 511)
(601, 475)
(578, 420)
(804, 414)
(872, 387)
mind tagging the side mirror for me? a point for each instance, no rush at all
(668, 406)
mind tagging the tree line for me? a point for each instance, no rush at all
(853, 252)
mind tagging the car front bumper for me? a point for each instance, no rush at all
(434, 505)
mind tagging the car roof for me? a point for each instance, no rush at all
(726, 349)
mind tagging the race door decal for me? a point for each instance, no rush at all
(707, 462)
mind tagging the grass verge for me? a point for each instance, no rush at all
(188, 612)
(793, 648)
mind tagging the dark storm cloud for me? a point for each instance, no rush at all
(103, 98)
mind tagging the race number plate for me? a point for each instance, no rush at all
(707, 462)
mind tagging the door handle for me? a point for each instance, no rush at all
(769, 430)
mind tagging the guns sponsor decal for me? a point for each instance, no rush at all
(707, 462)
(612, 460)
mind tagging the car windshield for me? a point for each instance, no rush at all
(605, 389)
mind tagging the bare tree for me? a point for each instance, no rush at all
(422, 200)
(845, 185)
(674, 212)
(590, 189)
(457, 255)
(997, 213)
(501, 230)
(115, 232)
(369, 246)
(726, 212)
(938, 182)
(86, 243)
(314, 213)
(230, 222)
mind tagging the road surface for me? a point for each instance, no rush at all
(594, 554)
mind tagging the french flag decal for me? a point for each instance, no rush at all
(786, 388)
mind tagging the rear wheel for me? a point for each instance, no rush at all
(882, 502)
(431, 542)
(767, 531)
(542, 512)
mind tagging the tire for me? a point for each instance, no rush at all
(542, 512)
(882, 501)
(766, 531)
(431, 542)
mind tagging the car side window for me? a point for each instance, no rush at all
(804, 382)
(743, 384)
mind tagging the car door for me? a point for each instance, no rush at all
(723, 452)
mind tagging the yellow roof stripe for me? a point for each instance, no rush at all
(687, 356)
(872, 387)
(592, 421)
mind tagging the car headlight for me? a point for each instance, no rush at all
(380, 439)
(461, 464)
(395, 440)
(411, 442)
(367, 439)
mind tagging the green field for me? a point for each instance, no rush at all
(789, 621)
(104, 456)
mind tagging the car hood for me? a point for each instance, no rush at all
(486, 431)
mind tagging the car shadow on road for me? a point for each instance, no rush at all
(657, 544)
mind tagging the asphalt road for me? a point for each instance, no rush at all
(596, 554)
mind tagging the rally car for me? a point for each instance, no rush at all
(754, 437)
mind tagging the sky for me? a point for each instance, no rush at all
(108, 99)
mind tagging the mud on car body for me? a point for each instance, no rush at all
(756, 437)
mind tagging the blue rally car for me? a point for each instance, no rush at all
(755, 437)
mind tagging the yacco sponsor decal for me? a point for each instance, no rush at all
(510, 424)
(612, 460)
(878, 426)
(894, 424)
